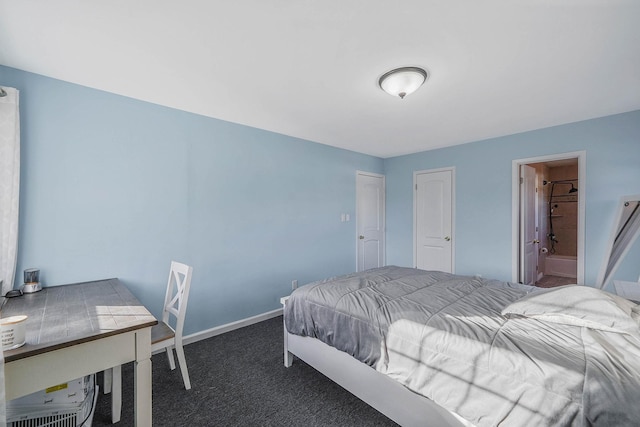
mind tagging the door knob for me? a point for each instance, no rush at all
(360, 237)
(447, 238)
(536, 241)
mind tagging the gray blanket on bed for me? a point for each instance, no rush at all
(446, 337)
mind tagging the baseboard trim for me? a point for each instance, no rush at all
(203, 335)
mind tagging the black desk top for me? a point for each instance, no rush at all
(62, 316)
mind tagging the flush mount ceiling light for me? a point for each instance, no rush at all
(402, 81)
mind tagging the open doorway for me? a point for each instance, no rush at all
(548, 215)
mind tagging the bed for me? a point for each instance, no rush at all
(432, 348)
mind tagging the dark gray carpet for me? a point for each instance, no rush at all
(238, 379)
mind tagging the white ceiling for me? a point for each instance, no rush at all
(309, 68)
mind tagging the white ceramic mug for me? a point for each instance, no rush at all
(13, 331)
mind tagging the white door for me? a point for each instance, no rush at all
(370, 222)
(528, 233)
(433, 219)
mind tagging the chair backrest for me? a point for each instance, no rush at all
(175, 301)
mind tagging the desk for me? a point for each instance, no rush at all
(77, 330)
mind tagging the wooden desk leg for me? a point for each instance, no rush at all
(142, 379)
(107, 377)
(116, 396)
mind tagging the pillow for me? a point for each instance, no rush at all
(580, 306)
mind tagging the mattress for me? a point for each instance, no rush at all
(493, 352)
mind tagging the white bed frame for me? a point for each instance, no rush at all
(376, 389)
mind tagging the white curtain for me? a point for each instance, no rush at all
(9, 185)
(9, 191)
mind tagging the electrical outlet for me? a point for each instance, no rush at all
(294, 285)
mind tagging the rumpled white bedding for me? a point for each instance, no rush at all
(489, 351)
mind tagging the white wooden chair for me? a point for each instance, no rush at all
(163, 335)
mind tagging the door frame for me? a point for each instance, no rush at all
(384, 216)
(515, 208)
(451, 169)
(522, 273)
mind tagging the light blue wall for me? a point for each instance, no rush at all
(483, 192)
(114, 187)
(117, 187)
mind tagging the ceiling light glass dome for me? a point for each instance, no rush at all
(402, 81)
